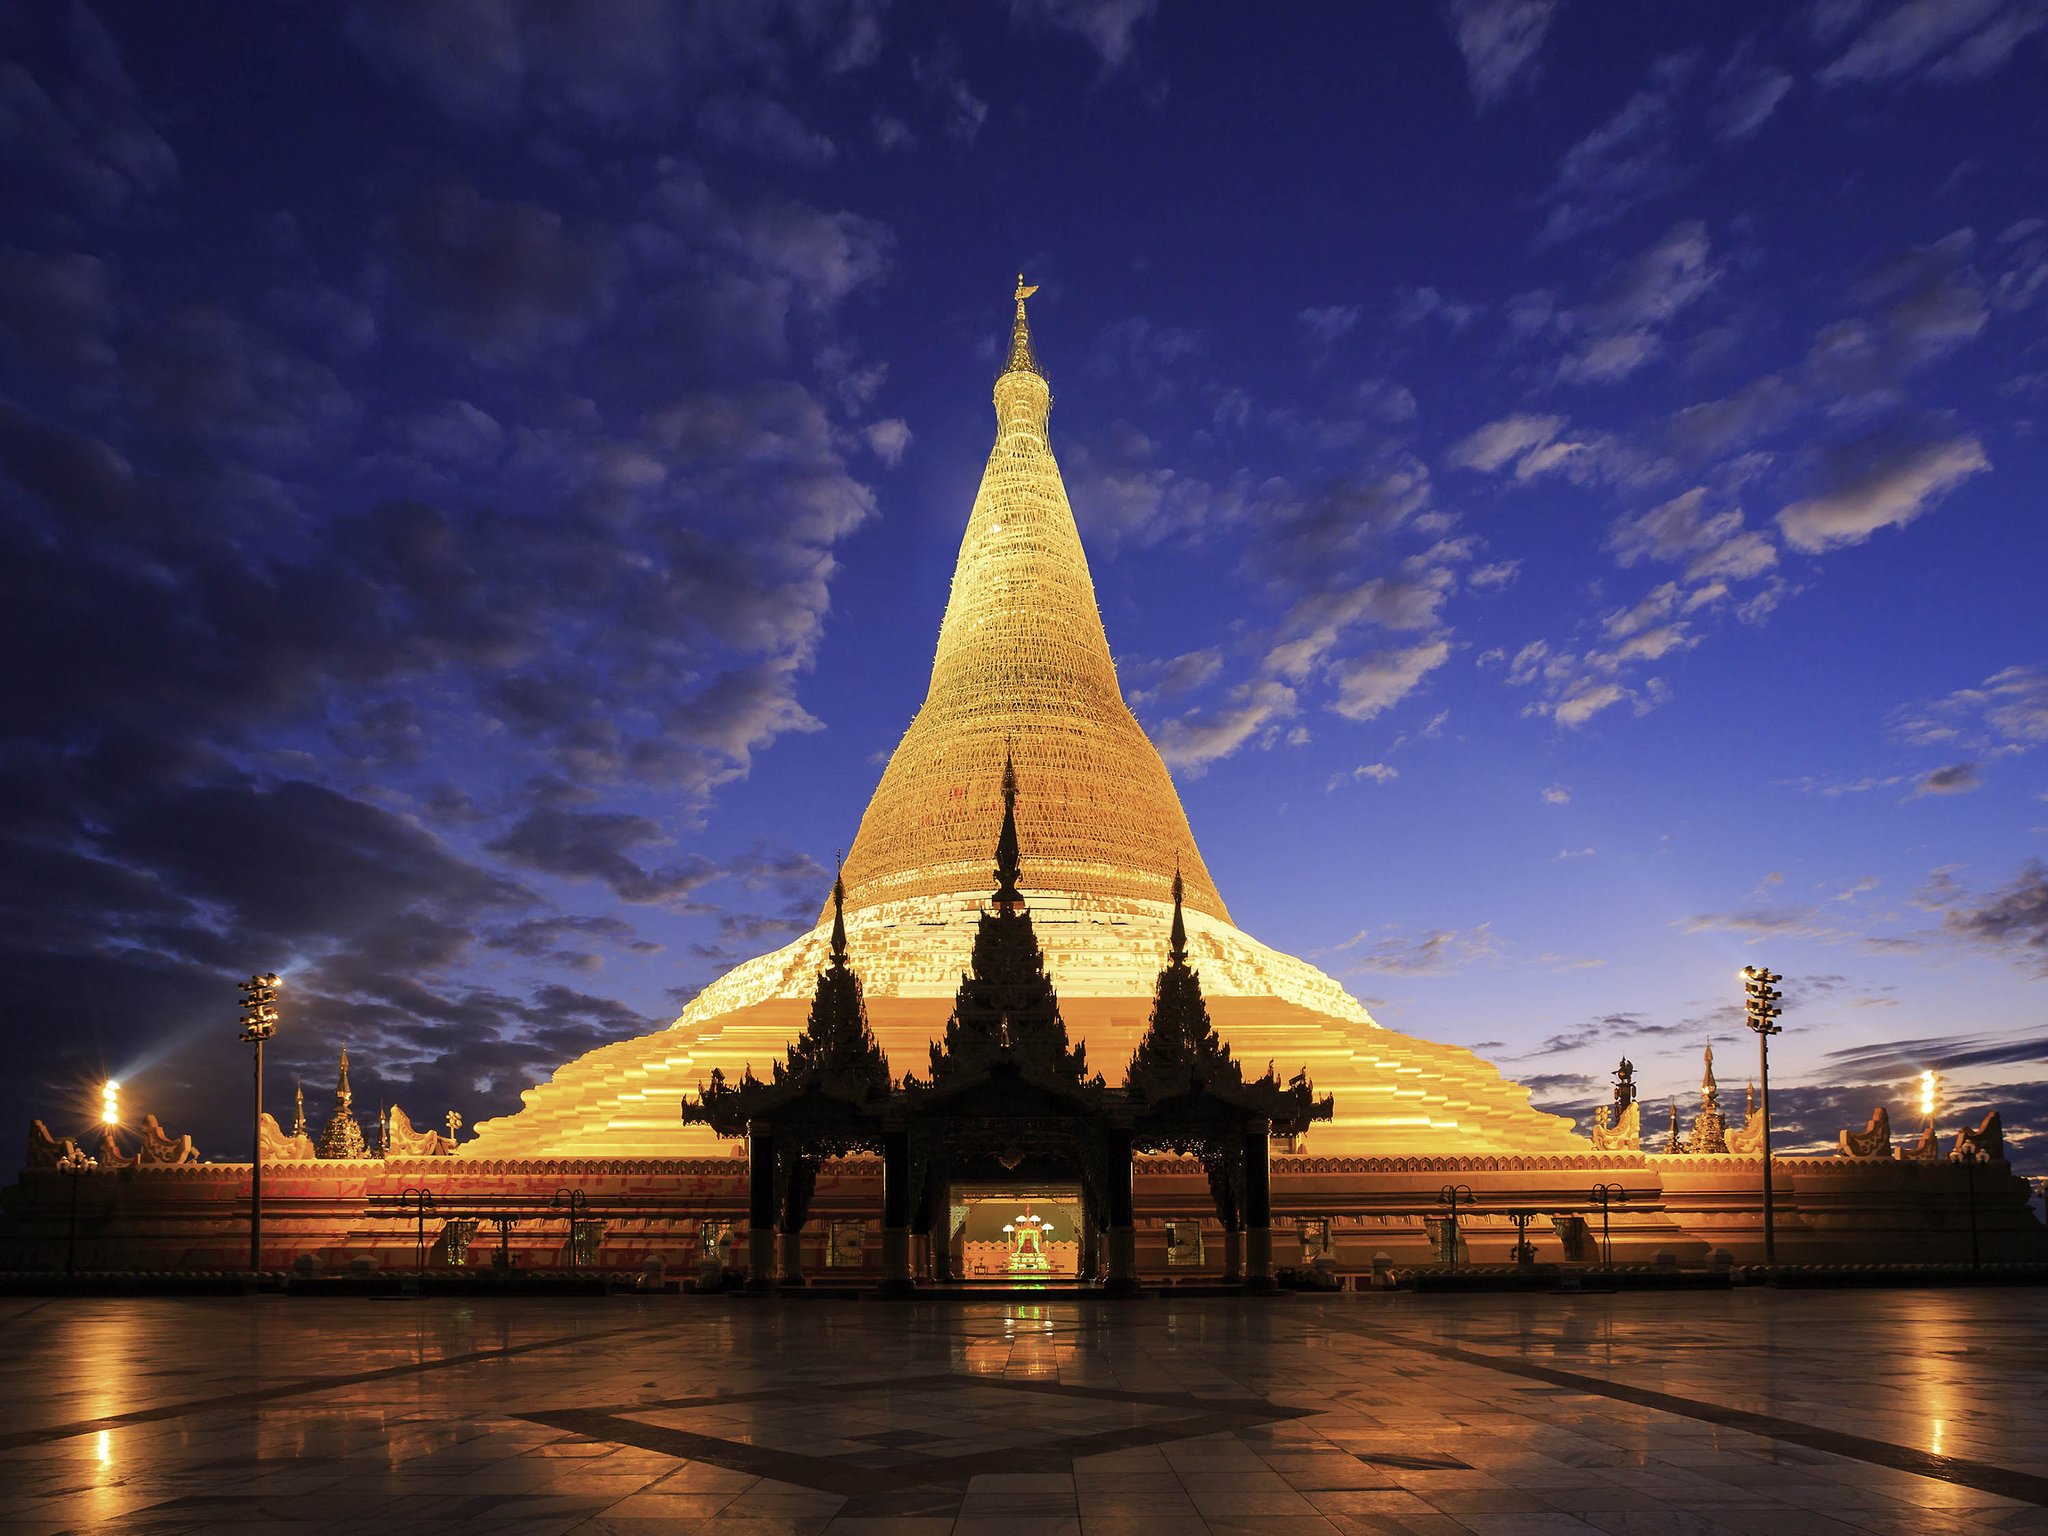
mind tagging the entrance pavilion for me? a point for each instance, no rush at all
(1008, 1103)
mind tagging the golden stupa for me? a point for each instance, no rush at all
(1024, 668)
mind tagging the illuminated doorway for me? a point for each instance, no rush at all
(1017, 1233)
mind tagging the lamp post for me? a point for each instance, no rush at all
(1760, 1006)
(422, 1201)
(73, 1163)
(1606, 1196)
(1451, 1195)
(259, 1023)
(579, 1208)
(1970, 1157)
(1525, 1251)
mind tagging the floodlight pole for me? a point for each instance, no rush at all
(259, 1023)
(1760, 1007)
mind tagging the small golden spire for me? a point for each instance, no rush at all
(1022, 358)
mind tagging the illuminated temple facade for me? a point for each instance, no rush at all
(616, 1161)
(1024, 668)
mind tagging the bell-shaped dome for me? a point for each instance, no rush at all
(1023, 670)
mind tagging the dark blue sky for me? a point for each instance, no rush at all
(478, 484)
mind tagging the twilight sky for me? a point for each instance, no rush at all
(478, 484)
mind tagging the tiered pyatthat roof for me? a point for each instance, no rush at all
(1180, 1046)
(1022, 657)
(1006, 1005)
(1182, 1073)
(837, 1047)
(834, 1064)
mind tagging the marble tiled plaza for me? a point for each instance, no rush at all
(1755, 1412)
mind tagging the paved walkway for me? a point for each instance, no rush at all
(1808, 1414)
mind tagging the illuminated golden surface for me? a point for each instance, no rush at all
(1023, 666)
(1395, 1094)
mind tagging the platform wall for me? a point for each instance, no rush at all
(1696, 1210)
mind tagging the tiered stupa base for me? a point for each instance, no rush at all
(1396, 1095)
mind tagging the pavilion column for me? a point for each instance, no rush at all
(942, 1227)
(1258, 1207)
(896, 1279)
(1122, 1234)
(760, 1207)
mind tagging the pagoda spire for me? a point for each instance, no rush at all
(1022, 659)
(1022, 358)
(344, 1134)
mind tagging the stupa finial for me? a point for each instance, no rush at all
(839, 910)
(1022, 358)
(1008, 897)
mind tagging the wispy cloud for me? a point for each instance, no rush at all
(1502, 41)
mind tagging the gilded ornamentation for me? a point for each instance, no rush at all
(402, 1140)
(1988, 1138)
(160, 1149)
(343, 1137)
(1747, 1139)
(1623, 1136)
(47, 1151)
(1927, 1149)
(277, 1147)
(1874, 1140)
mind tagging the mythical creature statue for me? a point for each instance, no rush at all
(45, 1150)
(1747, 1139)
(1874, 1140)
(1926, 1150)
(160, 1149)
(1988, 1138)
(277, 1147)
(402, 1140)
(1623, 1135)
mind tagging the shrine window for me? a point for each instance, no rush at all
(846, 1245)
(1314, 1232)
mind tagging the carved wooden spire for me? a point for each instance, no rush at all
(1006, 1005)
(1008, 865)
(837, 1049)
